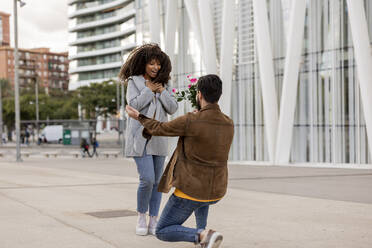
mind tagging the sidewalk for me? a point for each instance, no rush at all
(44, 203)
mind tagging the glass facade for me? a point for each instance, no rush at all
(89, 4)
(98, 45)
(98, 75)
(116, 57)
(104, 15)
(99, 31)
(329, 124)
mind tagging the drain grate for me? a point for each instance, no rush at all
(113, 214)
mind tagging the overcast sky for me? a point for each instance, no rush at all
(44, 23)
(41, 23)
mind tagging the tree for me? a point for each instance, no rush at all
(6, 88)
(57, 105)
(98, 99)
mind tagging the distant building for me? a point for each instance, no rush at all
(4, 29)
(102, 33)
(36, 65)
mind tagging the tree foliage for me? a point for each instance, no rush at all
(97, 99)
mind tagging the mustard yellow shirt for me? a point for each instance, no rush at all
(180, 194)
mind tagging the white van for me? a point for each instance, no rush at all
(52, 134)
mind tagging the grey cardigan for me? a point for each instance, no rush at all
(147, 103)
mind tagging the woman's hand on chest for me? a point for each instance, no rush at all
(152, 86)
(159, 88)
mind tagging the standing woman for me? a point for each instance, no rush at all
(147, 72)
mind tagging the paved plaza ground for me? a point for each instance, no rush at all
(47, 202)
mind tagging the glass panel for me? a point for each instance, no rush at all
(329, 124)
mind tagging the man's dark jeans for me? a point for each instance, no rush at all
(175, 213)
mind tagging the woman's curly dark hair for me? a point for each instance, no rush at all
(140, 57)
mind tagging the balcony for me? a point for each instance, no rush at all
(71, 2)
(122, 17)
(103, 51)
(57, 61)
(73, 85)
(28, 66)
(101, 37)
(25, 75)
(55, 77)
(98, 8)
(96, 67)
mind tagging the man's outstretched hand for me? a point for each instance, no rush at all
(132, 112)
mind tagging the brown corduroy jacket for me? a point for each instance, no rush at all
(198, 166)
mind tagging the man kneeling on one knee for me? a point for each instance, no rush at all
(197, 168)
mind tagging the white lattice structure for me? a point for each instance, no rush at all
(290, 81)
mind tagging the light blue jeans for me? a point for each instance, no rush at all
(175, 213)
(150, 169)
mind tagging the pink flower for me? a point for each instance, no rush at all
(174, 90)
(189, 86)
(188, 76)
(193, 80)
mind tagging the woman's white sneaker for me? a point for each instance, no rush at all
(152, 225)
(141, 228)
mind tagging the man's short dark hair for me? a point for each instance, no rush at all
(210, 87)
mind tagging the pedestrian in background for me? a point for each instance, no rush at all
(147, 72)
(84, 146)
(95, 145)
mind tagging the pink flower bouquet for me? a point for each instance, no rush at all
(188, 94)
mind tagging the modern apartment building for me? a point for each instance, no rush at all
(329, 126)
(36, 65)
(102, 32)
(4, 29)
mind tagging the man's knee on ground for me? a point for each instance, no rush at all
(160, 235)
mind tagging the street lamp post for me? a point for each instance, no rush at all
(118, 108)
(37, 107)
(122, 116)
(16, 82)
(1, 113)
(122, 109)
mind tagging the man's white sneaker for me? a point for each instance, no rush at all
(212, 240)
(152, 225)
(141, 228)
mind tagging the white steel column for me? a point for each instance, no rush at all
(193, 13)
(291, 72)
(154, 20)
(266, 64)
(171, 23)
(208, 38)
(227, 46)
(363, 57)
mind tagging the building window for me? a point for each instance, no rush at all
(98, 75)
